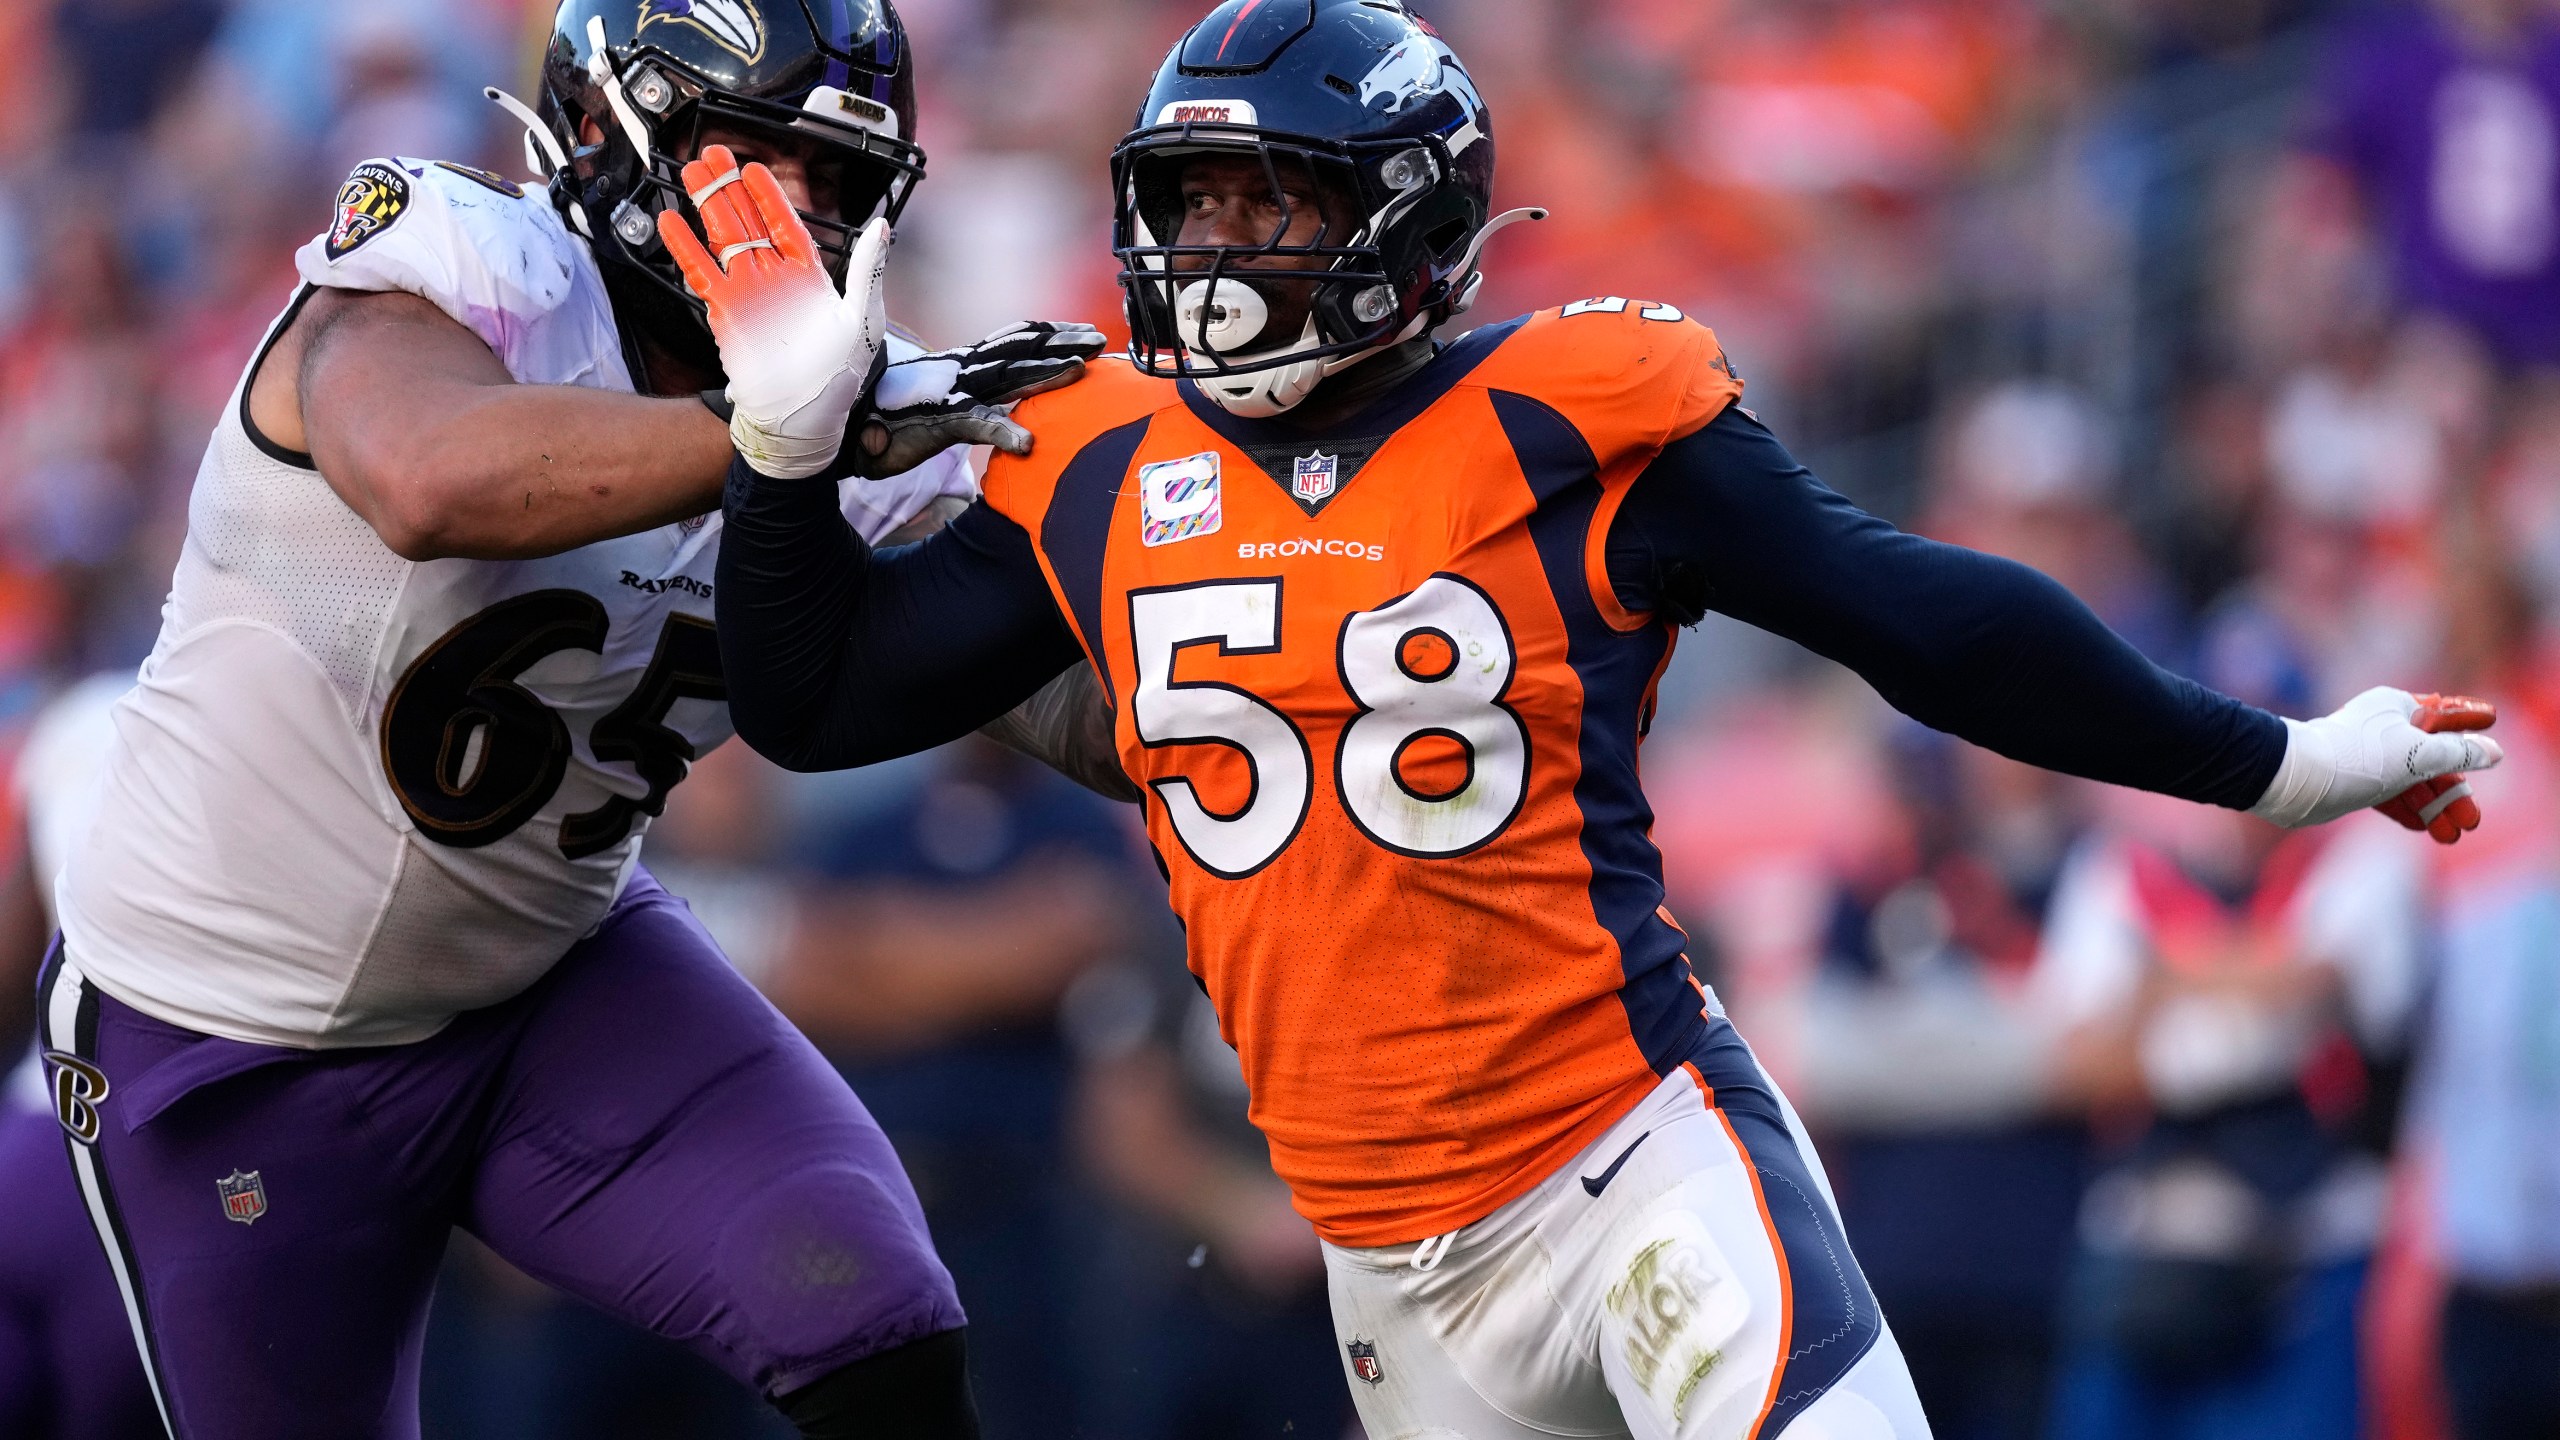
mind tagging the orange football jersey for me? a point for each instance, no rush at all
(1385, 710)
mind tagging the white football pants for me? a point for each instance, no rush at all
(1704, 1293)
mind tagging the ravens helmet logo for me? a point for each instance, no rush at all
(734, 24)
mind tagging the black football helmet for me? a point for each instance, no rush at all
(1367, 96)
(833, 76)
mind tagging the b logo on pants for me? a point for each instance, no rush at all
(78, 1087)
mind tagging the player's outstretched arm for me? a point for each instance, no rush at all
(839, 655)
(419, 428)
(2003, 656)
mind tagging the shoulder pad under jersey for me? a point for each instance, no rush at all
(1062, 423)
(488, 252)
(1630, 375)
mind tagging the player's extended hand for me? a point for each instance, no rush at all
(2399, 753)
(929, 403)
(799, 352)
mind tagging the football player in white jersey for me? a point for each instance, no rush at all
(359, 947)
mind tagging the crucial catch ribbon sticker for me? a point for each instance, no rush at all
(1178, 499)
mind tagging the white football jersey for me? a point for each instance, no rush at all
(354, 795)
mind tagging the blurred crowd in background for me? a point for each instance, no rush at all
(2241, 317)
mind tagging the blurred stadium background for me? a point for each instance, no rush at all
(2239, 316)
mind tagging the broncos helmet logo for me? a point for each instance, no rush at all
(733, 24)
(1418, 68)
(1409, 70)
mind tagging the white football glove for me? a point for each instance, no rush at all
(2389, 750)
(798, 350)
(926, 404)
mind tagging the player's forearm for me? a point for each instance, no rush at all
(1968, 643)
(837, 655)
(422, 430)
(509, 472)
(790, 579)
(1998, 654)
(1067, 727)
(23, 936)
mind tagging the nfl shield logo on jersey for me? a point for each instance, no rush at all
(1364, 1361)
(1312, 481)
(244, 1196)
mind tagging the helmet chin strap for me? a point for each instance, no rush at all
(1282, 388)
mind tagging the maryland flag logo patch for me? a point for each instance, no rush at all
(373, 197)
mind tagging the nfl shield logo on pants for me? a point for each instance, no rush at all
(1364, 1361)
(244, 1196)
(1313, 478)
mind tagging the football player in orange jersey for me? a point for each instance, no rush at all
(1378, 621)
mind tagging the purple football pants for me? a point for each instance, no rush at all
(67, 1365)
(639, 1129)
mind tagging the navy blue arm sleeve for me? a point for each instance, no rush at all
(1964, 642)
(839, 655)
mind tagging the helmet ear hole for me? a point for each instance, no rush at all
(1445, 238)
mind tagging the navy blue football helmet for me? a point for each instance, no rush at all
(832, 77)
(1368, 98)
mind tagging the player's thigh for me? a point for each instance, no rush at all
(24, 1385)
(1400, 1337)
(671, 1150)
(272, 1232)
(67, 1344)
(1727, 1299)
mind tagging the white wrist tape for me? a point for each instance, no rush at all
(2301, 781)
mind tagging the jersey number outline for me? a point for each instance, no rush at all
(1617, 305)
(1455, 695)
(472, 754)
(1241, 617)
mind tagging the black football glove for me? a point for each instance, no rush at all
(924, 406)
